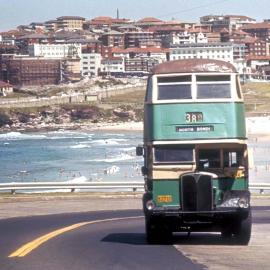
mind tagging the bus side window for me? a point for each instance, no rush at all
(232, 158)
(209, 158)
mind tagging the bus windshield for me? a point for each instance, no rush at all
(170, 154)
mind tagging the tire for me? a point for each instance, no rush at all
(157, 232)
(151, 231)
(243, 230)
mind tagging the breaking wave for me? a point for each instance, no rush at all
(80, 146)
(108, 142)
(121, 157)
(112, 170)
(81, 179)
(21, 136)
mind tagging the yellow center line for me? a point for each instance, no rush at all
(29, 247)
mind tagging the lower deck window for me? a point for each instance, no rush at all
(209, 158)
(173, 155)
(232, 158)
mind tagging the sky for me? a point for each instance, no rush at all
(18, 12)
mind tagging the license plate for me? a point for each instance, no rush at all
(164, 198)
(194, 117)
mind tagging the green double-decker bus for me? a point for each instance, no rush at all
(195, 151)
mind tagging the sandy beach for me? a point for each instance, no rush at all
(255, 126)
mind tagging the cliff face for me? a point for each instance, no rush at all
(34, 118)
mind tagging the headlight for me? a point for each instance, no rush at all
(243, 203)
(236, 202)
(150, 205)
(233, 202)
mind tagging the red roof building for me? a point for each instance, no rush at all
(258, 30)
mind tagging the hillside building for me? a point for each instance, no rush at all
(55, 50)
(90, 64)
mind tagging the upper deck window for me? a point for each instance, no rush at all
(174, 91)
(177, 87)
(210, 87)
(174, 79)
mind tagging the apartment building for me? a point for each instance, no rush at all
(219, 51)
(70, 23)
(55, 50)
(258, 30)
(105, 22)
(140, 66)
(21, 70)
(51, 26)
(187, 37)
(159, 54)
(90, 64)
(256, 47)
(141, 39)
(112, 66)
(113, 39)
(231, 22)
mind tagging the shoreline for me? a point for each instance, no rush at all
(117, 126)
(255, 126)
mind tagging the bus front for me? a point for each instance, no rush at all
(195, 151)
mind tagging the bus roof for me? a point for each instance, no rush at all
(194, 66)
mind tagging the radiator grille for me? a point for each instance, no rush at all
(196, 192)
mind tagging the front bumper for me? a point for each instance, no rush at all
(218, 211)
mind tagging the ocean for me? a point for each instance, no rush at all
(70, 156)
(79, 156)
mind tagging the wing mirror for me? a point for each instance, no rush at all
(139, 150)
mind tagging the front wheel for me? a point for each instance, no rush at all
(151, 231)
(243, 230)
(157, 232)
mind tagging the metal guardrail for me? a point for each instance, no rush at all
(106, 186)
(261, 187)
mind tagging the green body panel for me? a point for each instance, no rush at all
(167, 187)
(161, 121)
(173, 188)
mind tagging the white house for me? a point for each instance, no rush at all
(55, 50)
(90, 64)
(218, 51)
(112, 65)
(187, 38)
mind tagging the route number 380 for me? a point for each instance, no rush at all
(194, 117)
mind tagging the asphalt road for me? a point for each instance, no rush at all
(120, 244)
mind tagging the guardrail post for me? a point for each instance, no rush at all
(13, 191)
(261, 191)
(72, 190)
